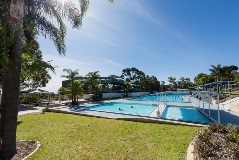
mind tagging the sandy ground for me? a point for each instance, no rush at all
(235, 108)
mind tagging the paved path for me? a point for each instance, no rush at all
(225, 115)
(29, 109)
(36, 109)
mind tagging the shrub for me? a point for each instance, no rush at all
(217, 142)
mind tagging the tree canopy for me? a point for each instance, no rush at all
(71, 76)
(218, 73)
(132, 75)
(47, 18)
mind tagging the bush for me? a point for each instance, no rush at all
(28, 99)
(217, 142)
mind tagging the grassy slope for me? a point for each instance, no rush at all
(75, 137)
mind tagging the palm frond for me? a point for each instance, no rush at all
(47, 28)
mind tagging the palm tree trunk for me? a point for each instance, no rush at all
(72, 92)
(11, 83)
(10, 100)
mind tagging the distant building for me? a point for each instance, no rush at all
(103, 80)
(111, 81)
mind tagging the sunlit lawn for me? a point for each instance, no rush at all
(236, 92)
(65, 136)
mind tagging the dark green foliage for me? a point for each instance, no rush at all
(139, 81)
(150, 84)
(28, 99)
(233, 135)
(218, 73)
(218, 142)
(132, 75)
(218, 128)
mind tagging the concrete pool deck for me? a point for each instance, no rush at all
(226, 116)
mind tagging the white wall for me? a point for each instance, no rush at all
(113, 95)
(117, 95)
(135, 94)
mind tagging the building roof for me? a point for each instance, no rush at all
(215, 84)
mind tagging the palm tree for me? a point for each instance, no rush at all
(13, 21)
(93, 79)
(78, 88)
(34, 12)
(216, 71)
(62, 92)
(71, 76)
(172, 81)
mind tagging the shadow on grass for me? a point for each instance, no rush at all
(19, 122)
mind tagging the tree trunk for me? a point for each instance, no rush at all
(11, 83)
(72, 92)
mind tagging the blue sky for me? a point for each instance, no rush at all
(179, 38)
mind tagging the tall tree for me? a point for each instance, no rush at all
(93, 80)
(172, 81)
(132, 75)
(150, 84)
(236, 77)
(228, 72)
(78, 88)
(62, 92)
(162, 86)
(202, 78)
(34, 72)
(71, 76)
(188, 83)
(181, 82)
(127, 87)
(11, 21)
(12, 18)
(184, 82)
(216, 71)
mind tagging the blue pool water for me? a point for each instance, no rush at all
(125, 108)
(184, 114)
(168, 98)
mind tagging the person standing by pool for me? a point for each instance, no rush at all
(158, 114)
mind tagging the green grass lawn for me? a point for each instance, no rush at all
(65, 136)
(233, 92)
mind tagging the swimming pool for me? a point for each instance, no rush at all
(167, 98)
(188, 114)
(124, 108)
